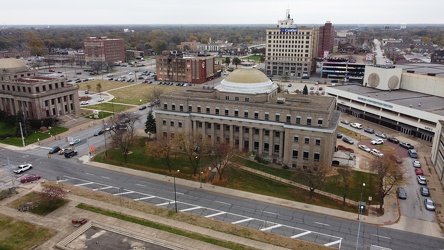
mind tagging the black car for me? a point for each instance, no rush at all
(142, 107)
(393, 140)
(406, 145)
(70, 153)
(424, 191)
(402, 194)
(338, 135)
(347, 140)
(54, 150)
(369, 130)
(99, 133)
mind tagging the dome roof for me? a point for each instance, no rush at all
(247, 75)
(12, 65)
(247, 80)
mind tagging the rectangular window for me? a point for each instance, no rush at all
(296, 139)
(218, 126)
(247, 99)
(316, 156)
(246, 130)
(236, 112)
(227, 97)
(208, 125)
(165, 105)
(179, 124)
(217, 111)
(227, 112)
(181, 107)
(172, 123)
(164, 122)
(295, 154)
(256, 145)
(236, 128)
(307, 140)
(256, 115)
(266, 147)
(190, 108)
(277, 133)
(320, 121)
(199, 109)
(227, 127)
(256, 131)
(288, 119)
(236, 98)
(246, 114)
(305, 156)
(266, 132)
(266, 116)
(308, 120)
(298, 120)
(173, 106)
(277, 117)
(318, 141)
(208, 110)
(199, 124)
(276, 148)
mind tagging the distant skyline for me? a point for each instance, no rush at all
(84, 12)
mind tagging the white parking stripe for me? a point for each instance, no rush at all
(240, 221)
(83, 184)
(129, 192)
(189, 209)
(216, 214)
(269, 228)
(301, 234)
(144, 198)
(165, 203)
(333, 243)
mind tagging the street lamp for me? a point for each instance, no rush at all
(359, 212)
(175, 198)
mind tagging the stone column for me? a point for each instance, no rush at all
(271, 143)
(241, 138)
(232, 135)
(250, 139)
(213, 134)
(281, 144)
(261, 140)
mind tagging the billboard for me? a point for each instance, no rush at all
(289, 29)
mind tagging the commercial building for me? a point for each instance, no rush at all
(326, 40)
(23, 90)
(247, 112)
(340, 68)
(173, 66)
(103, 49)
(290, 50)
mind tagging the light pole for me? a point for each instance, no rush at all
(175, 198)
(359, 211)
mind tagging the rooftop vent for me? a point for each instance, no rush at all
(280, 100)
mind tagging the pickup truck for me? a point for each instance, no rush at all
(23, 168)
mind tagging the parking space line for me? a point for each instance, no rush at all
(385, 237)
(165, 203)
(240, 221)
(269, 228)
(333, 243)
(189, 209)
(129, 192)
(144, 198)
(323, 224)
(301, 234)
(216, 214)
(83, 184)
(108, 187)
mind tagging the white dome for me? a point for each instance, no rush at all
(247, 80)
(12, 65)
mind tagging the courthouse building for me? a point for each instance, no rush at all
(23, 90)
(247, 111)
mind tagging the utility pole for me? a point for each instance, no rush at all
(21, 132)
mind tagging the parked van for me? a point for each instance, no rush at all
(356, 125)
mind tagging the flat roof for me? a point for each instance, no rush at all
(420, 101)
(423, 68)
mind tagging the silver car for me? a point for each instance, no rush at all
(421, 180)
(429, 205)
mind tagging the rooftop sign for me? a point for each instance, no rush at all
(289, 29)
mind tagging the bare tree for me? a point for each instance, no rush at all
(165, 149)
(343, 181)
(99, 89)
(314, 177)
(389, 173)
(52, 193)
(194, 146)
(123, 137)
(154, 96)
(221, 156)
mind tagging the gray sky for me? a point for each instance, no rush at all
(220, 12)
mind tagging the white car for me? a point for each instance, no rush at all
(84, 102)
(101, 100)
(421, 179)
(416, 164)
(377, 142)
(376, 152)
(365, 148)
(22, 168)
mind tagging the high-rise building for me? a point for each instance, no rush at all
(290, 50)
(103, 49)
(326, 40)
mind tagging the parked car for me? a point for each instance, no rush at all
(421, 180)
(70, 153)
(345, 122)
(347, 140)
(413, 153)
(381, 135)
(369, 130)
(31, 177)
(376, 153)
(424, 191)
(418, 171)
(429, 204)
(86, 92)
(365, 148)
(402, 194)
(76, 141)
(101, 100)
(99, 133)
(338, 135)
(406, 145)
(84, 103)
(377, 142)
(356, 125)
(416, 164)
(23, 168)
(393, 140)
(142, 107)
(62, 151)
(54, 150)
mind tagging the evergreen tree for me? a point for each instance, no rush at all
(150, 125)
(305, 90)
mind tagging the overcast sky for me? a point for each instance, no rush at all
(53, 12)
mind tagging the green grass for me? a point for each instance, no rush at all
(108, 106)
(18, 235)
(17, 141)
(255, 58)
(195, 236)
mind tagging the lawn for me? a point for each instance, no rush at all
(138, 93)
(109, 106)
(255, 58)
(106, 85)
(43, 209)
(16, 234)
(32, 138)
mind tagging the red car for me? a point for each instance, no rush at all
(29, 178)
(51, 70)
(418, 171)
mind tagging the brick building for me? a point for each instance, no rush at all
(37, 96)
(103, 49)
(247, 112)
(326, 40)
